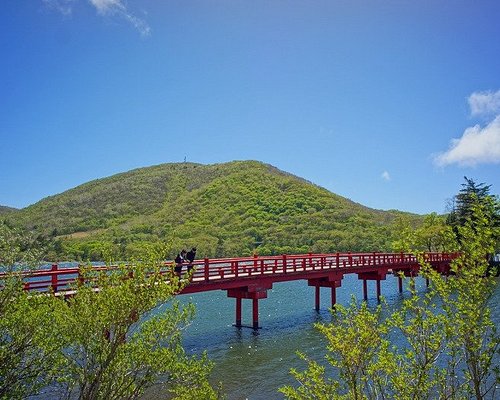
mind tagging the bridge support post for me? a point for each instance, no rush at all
(254, 293)
(238, 312)
(332, 281)
(400, 284)
(427, 282)
(334, 297)
(375, 275)
(255, 309)
(378, 290)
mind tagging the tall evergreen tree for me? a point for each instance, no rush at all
(470, 196)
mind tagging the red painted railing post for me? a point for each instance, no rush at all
(206, 267)
(337, 256)
(53, 283)
(236, 269)
(310, 260)
(284, 263)
(255, 256)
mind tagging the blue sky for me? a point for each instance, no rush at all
(388, 103)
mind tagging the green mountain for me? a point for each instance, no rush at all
(5, 210)
(236, 208)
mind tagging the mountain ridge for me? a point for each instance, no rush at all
(7, 209)
(233, 208)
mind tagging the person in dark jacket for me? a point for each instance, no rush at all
(179, 260)
(190, 256)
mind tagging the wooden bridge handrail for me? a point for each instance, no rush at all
(207, 270)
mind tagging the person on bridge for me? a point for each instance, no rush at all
(190, 256)
(179, 260)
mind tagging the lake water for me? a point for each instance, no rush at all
(254, 364)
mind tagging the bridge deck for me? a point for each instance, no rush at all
(251, 277)
(224, 273)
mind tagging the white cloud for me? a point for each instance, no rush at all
(484, 103)
(109, 8)
(106, 6)
(476, 146)
(385, 176)
(118, 8)
(65, 7)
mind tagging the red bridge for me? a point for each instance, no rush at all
(252, 277)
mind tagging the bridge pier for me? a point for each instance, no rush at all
(253, 292)
(333, 294)
(238, 312)
(255, 313)
(377, 275)
(332, 281)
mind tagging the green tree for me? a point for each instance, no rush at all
(404, 234)
(358, 351)
(465, 301)
(125, 337)
(464, 205)
(451, 345)
(434, 234)
(28, 351)
(422, 328)
(119, 333)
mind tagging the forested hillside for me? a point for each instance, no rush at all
(4, 209)
(235, 208)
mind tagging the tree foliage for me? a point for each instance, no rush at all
(118, 334)
(463, 209)
(28, 354)
(450, 345)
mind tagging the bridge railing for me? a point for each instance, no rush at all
(231, 268)
(60, 279)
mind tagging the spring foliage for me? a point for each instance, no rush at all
(110, 343)
(451, 346)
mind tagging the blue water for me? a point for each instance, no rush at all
(254, 364)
